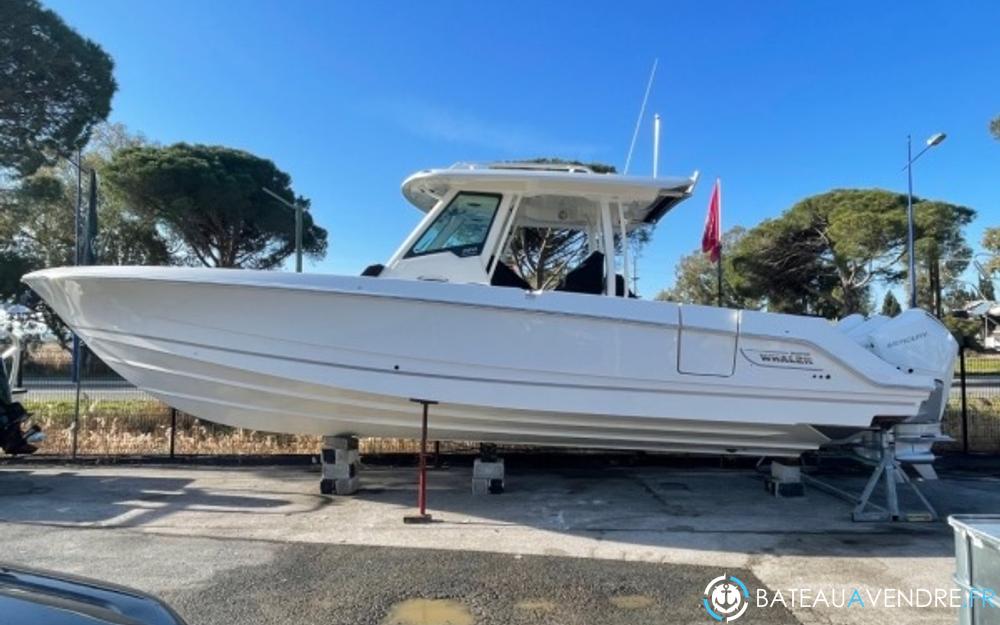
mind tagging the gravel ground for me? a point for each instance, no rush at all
(361, 585)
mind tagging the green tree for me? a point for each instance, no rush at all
(782, 266)
(890, 305)
(54, 87)
(995, 127)
(959, 296)
(968, 332)
(37, 220)
(696, 279)
(991, 243)
(822, 255)
(986, 288)
(209, 200)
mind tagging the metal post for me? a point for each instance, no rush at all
(76, 261)
(76, 419)
(965, 411)
(719, 274)
(79, 207)
(635, 273)
(422, 487)
(298, 237)
(173, 430)
(422, 516)
(656, 145)
(936, 268)
(297, 208)
(911, 257)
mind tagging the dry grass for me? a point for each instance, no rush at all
(142, 427)
(984, 423)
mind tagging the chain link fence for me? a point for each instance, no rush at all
(110, 417)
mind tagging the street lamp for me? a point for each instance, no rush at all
(297, 207)
(934, 139)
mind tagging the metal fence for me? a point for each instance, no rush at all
(110, 417)
(972, 418)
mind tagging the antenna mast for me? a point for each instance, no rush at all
(642, 111)
(656, 144)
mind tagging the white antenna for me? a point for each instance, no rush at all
(656, 144)
(642, 111)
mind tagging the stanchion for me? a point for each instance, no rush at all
(173, 430)
(76, 408)
(422, 516)
(965, 410)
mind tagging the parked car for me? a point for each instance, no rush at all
(44, 598)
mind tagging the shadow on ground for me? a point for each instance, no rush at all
(83, 498)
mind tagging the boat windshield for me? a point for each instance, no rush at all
(461, 228)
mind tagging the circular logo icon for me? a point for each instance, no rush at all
(726, 598)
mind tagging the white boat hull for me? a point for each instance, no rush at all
(334, 355)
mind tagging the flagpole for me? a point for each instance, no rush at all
(719, 272)
(719, 266)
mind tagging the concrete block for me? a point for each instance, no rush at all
(340, 465)
(340, 442)
(487, 470)
(347, 486)
(785, 489)
(785, 473)
(487, 486)
(346, 456)
(480, 486)
(339, 471)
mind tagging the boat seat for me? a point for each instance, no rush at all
(588, 277)
(505, 276)
(620, 287)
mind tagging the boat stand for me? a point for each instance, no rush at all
(340, 460)
(487, 471)
(422, 516)
(887, 469)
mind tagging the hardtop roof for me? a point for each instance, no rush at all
(644, 200)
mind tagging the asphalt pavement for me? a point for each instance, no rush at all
(565, 544)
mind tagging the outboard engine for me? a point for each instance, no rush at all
(13, 440)
(918, 344)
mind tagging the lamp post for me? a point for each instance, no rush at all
(297, 207)
(934, 139)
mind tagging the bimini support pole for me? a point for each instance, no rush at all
(422, 516)
(623, 225)
(608, 239)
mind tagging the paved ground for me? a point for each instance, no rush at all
(563, 545)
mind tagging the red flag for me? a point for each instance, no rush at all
(711, 239)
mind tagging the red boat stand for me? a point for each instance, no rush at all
(422, 516)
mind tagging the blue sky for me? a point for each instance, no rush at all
(780, 99)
